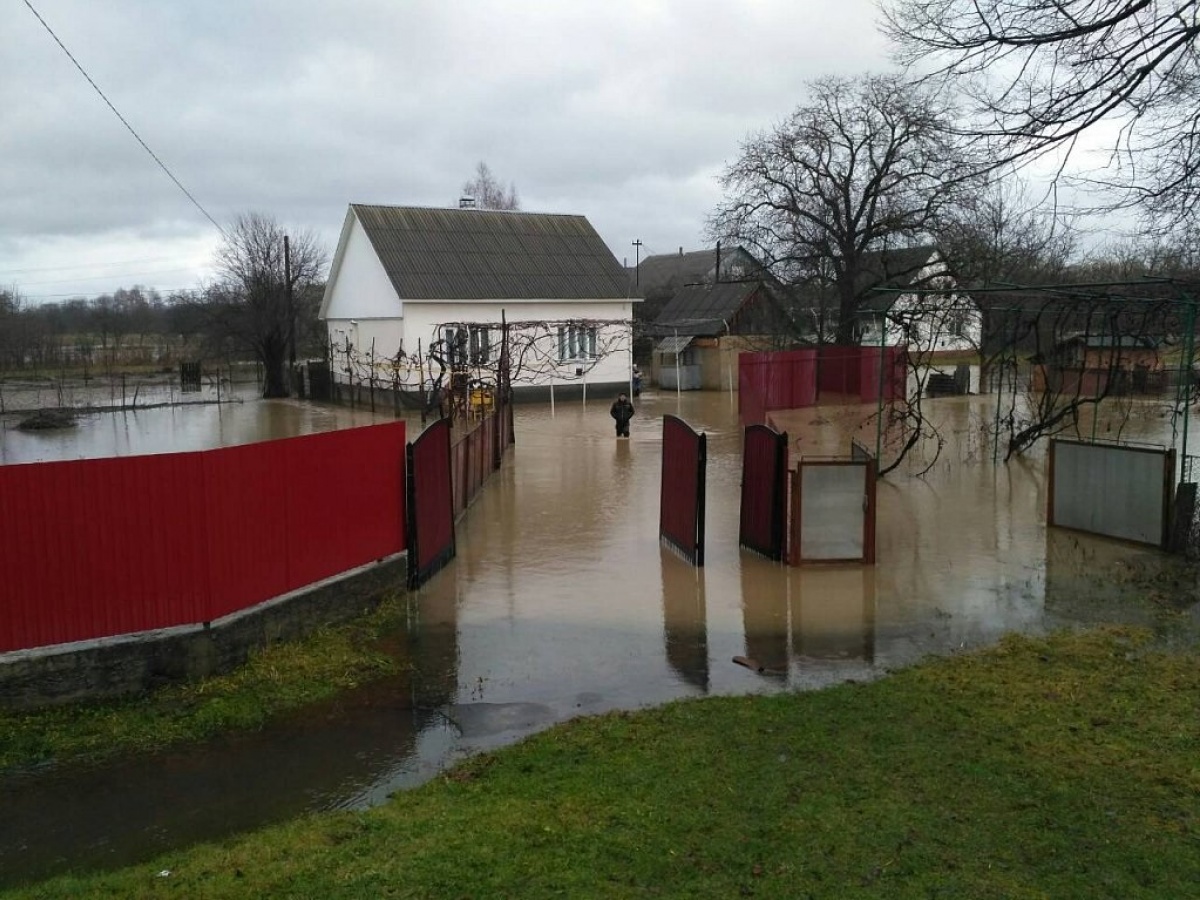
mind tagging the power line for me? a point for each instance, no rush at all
(136, 136)
(112, 277)
(73, 295)
(4, 273)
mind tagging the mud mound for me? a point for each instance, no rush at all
(45, 419)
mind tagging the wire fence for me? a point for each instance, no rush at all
(126, 390)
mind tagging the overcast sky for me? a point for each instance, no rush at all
(624, 113)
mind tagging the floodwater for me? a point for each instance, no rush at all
(562, 602)
(241, 418)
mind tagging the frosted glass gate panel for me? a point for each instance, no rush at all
(835, 512)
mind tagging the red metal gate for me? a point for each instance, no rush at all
(430, 505)
(681, 502)
(764, 491)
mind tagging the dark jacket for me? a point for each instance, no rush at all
(622, 410)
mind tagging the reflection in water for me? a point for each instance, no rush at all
(833, 613)
(562, 602)
(764, 610)
(685, 625)
(806, 615)
(432, 632)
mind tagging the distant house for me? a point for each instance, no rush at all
(942, 320)
(703, 327)
(1095, 364)
(408, 277)
(657, 278)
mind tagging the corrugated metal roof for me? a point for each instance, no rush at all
(898, 267)
(703, 309)
(674, 344)
(473, 254)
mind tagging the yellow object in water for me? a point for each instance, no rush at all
(481, 399)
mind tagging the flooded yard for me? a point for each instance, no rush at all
(562, 602)
(240, 418)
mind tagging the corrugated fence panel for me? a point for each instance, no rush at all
(889, 385)
(785, 379)
(347, 503)
(95, 548)
(839, 369)
(752, 387)
(247, 521)
(104, 547)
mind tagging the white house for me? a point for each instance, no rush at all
(408, 282)
(920, 305)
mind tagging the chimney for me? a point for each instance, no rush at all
(681, 251)
(466, 202)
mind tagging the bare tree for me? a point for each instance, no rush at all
(253, 303)
(864, 166)
(998, 236)
(488, 193)
(1043, 73)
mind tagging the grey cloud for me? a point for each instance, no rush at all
(298, 108)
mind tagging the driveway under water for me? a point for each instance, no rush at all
(561, 602)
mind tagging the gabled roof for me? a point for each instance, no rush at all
(704, 309)
(898, 267)
(473, 254)
(674, 270)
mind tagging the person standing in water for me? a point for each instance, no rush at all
(622, 412)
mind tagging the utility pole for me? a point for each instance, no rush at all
(637, 259)
(291, 313)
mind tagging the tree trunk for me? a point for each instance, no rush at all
(275, 382)
(847, 325)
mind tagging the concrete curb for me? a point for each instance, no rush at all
(135, 663)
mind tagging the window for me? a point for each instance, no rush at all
(455, 340)
(481, 345)
(576, 342)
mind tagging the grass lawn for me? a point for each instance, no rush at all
(1059, 767)
(276, 680)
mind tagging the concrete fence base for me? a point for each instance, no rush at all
(135, 663)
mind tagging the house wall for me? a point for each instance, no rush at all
(360, 288)
(931, 321)
(614, 341)
(715, 358)
(422, 319)
(359, 336)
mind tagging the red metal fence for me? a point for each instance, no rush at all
(793, 379)
(764, 491)
(681, 501)
(780, 380)
(478, 452)
(855, 370)
(431, 542)
(102, 547)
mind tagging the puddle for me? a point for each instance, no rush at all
(562, 602)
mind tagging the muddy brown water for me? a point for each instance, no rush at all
(562, 602)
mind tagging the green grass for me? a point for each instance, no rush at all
(275, 680)
(1058, 767)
